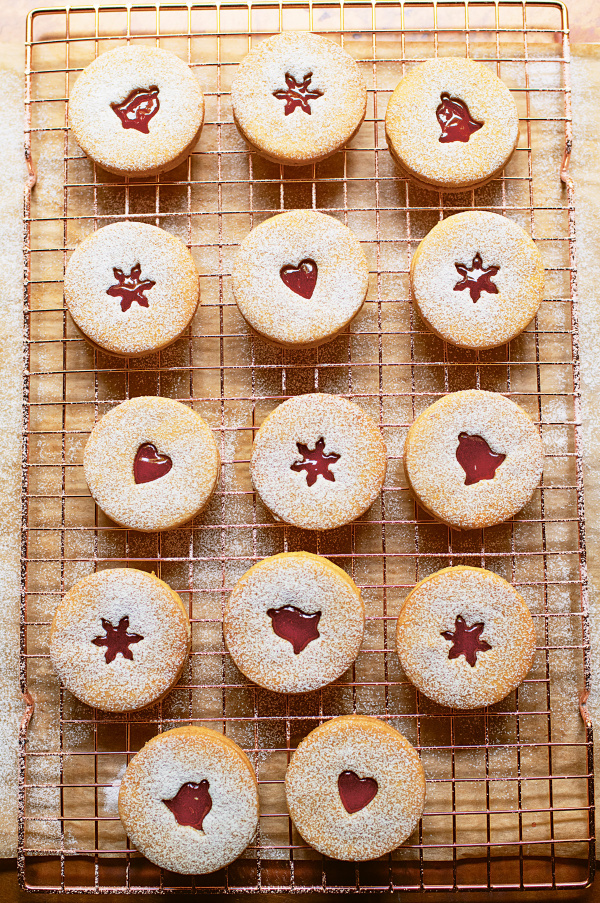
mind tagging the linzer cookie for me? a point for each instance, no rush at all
(131, 288)
(473, 459)
(452, 124)
(137, 110)
(299, 278)
(477, 279)
(465, 637)
(294, 622)
(119, 639)
(189, 800)
(318, 461)
(298, 98)
(355, 788)
(151, 463)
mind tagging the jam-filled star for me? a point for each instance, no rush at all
(466, 640)
(298, 94)
(455, 121)
(476, 278)
(117, 640)
(316, 462)
(130, 287)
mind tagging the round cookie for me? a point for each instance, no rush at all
(451, 124)
(151, 463)
(298, 98)
(294, 622)
(119, 639)
(131, 288)
(318, 461)
(299, 278)
(137, 110)
(465, 637)
(477, 279)
(473, 459)
(355, 788)
(189, 800)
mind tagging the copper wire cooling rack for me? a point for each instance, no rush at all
(510, 793)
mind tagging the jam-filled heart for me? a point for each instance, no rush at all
(149, 465)
(356, 793)
(301, 279)
(477, 459)
(466, 640)
(191, 804)
(138, 108)
(295, 626)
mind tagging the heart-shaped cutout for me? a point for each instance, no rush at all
(149, 465)
(356, 793)
(301, 279)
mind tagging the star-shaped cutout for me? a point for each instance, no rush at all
(138, 108)
(476, 278)
(455, 121)
(298, 94)
(295, 626)
(130, 287)
(316, 462)
(466, 640)
(477, 459)
(191, 804)
(117, 640)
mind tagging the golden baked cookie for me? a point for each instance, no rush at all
(119, 639)
(473, 459)
(131, 288)
(189, 800)
(465, 637)
(294, 622)
(477, 279)
(151, 463)
(299, 278)
(355, 788)
(318, 461)
(137, 110)
(298, 98)
(451, 124)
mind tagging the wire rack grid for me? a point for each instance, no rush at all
(510, 788)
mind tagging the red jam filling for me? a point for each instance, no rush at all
(476, 278)
(356, 793)
(298, 94)
(477, 459)
(295, 626)
(138, 108)
(466, 640)
(191, 804)
(149, 465)
(316, 462)
(301, 279)
(130, 288)
(117, 640)
(455, 121)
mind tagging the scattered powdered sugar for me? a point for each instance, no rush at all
(369, 748)
(312, 584)
(172, 300)
(438, 480)
(494, 318)
(298, 138)
(175, 430)
(273, 309)
(110, 794)
(174, 129)
(478, 596)
(348, 432)
(156, 773)
(155, 612)
(413, 131)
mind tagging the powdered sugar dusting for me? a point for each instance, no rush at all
(273, 309)
(369, 748)
(438, 480)
(478, 596)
